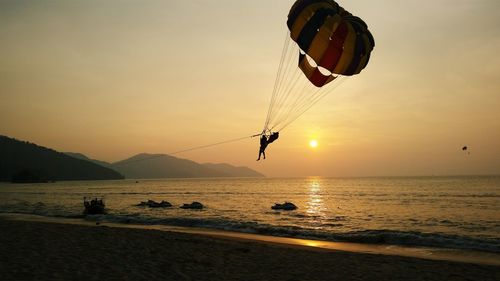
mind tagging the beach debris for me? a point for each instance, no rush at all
(154, 204)
(93, 206)
(194, 205)
(287, 206)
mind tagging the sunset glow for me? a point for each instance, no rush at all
(313, 143)
(110, 83)
(210, 140)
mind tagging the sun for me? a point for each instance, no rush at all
(313, 143)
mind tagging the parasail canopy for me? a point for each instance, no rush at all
(326, 42)
(333, 38)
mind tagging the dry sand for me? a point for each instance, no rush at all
(51, 251)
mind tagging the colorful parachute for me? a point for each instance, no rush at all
(330, 42)
(332, 37)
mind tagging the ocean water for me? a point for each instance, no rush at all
(442, 212)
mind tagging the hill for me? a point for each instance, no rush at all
(165, 166)
(22, 161)
(84, 157)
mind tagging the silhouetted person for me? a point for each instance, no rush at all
(263, 145)
(274, 136)
(264, 142)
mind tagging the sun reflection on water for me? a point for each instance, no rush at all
(315, 204)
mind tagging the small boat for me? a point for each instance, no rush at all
(287, 206)
(154, 204)
(93, 206)
(194, 205)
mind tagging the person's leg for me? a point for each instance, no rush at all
(264, 153)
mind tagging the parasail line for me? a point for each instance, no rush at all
(213, 144)
(301, 101)
(318, 98)
(283, 97)
(278, 75)
(189, 149)
(291, 107)
(283, 81)
(312, 98)
(287, 93)
(300, 110)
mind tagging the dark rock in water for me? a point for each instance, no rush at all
(153, 204)
(287, 206)
(144, 203)
(194, 205)
(93, 206)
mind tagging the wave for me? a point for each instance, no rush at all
(385, 236)
(40, 209)
(373, 236)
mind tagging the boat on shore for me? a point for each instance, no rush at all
(94, 206)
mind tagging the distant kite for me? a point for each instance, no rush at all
(466, 149)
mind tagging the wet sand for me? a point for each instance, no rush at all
(35, 250)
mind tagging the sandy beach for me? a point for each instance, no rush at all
(52, 251)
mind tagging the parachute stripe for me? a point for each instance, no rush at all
(348, 51)
(312, 73)
(302, 20)
(311, 28)
(331, 36)
(332, 55)
(299, 6)
(319, 46)
(359, 50)
(372, 40)
(364, 57)
(368, 39)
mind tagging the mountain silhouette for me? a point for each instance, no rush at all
(165, 166)
(22, 161)
(84, 157)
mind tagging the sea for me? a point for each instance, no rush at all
(440, 212)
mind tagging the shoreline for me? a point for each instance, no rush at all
(37, 250)
(440, 254)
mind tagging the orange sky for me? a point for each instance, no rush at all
(114, 78)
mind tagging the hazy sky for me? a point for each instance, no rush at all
(114, 78)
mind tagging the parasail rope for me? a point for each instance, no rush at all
(291, 98)
(318, 98)
(278, 75)
(297, 101)
(284, 75)
(283, 82)
(189, 149)
(302, 100)
(287, 92)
